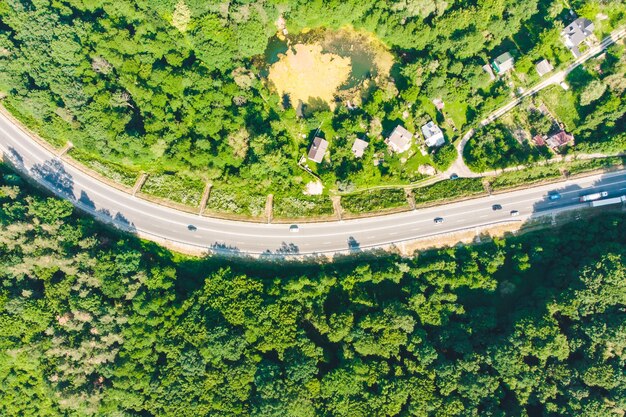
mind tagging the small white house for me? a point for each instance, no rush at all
(358, 147)
(433, 135)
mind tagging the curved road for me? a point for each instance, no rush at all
(165, 225)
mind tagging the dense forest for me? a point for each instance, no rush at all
(93, 322)
(176, 87)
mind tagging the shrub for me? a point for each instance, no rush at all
(179, 188)
(228, 201)
(448, 189)
(110, 170)
(302, 206)
(373, 200)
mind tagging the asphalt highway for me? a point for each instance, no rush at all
(159, 223)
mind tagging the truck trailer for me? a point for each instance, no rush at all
(608, 201)
(594, 196)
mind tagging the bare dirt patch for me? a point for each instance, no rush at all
(452, 239)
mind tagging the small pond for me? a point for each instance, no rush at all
(344, 43)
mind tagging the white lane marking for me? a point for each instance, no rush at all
(77, 175)
(286, 236)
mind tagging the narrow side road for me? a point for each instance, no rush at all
(460, 168)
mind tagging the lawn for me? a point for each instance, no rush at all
(457, 111)
(561, 103)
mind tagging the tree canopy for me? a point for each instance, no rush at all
(93, 322)
(163, 86)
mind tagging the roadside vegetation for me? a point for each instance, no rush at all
(374, 200)
(552, 171)
(306, 206)
(448, 190)
(232, 202)
(185, 88)
(116, 173)
(93, 322)
(181, 188)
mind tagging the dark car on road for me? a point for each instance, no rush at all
(438, 220)
(192, 228)
(496, 207)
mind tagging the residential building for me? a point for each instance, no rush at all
(358, 147)
(576, 33)
(400, 139)
(487, 68)
(539, 140)
(543, 67)
(439, 104)
(503, 63)
(433, 135)
(559, 139)
(318, 149)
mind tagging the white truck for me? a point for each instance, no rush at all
(593, 197)
(608, 201)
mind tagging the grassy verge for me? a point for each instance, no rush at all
(302, 206)
(53, 132)
(583, 165)
(373, 200)
(525, 176)
(555, 170)
(227, 201)
(178, 188)
(107, 169)
(447, 190)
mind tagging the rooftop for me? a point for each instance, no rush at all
(400, 139)
(543, 67)
(358, 147)
(433, 134)
(576, 32)
(503, 63)
(318, 149)
(559, 139)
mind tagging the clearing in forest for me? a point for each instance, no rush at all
(304, 72)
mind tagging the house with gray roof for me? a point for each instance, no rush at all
(576, 33)
(400, 140)
(358, 147)
(318, 149)
(543, 67)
